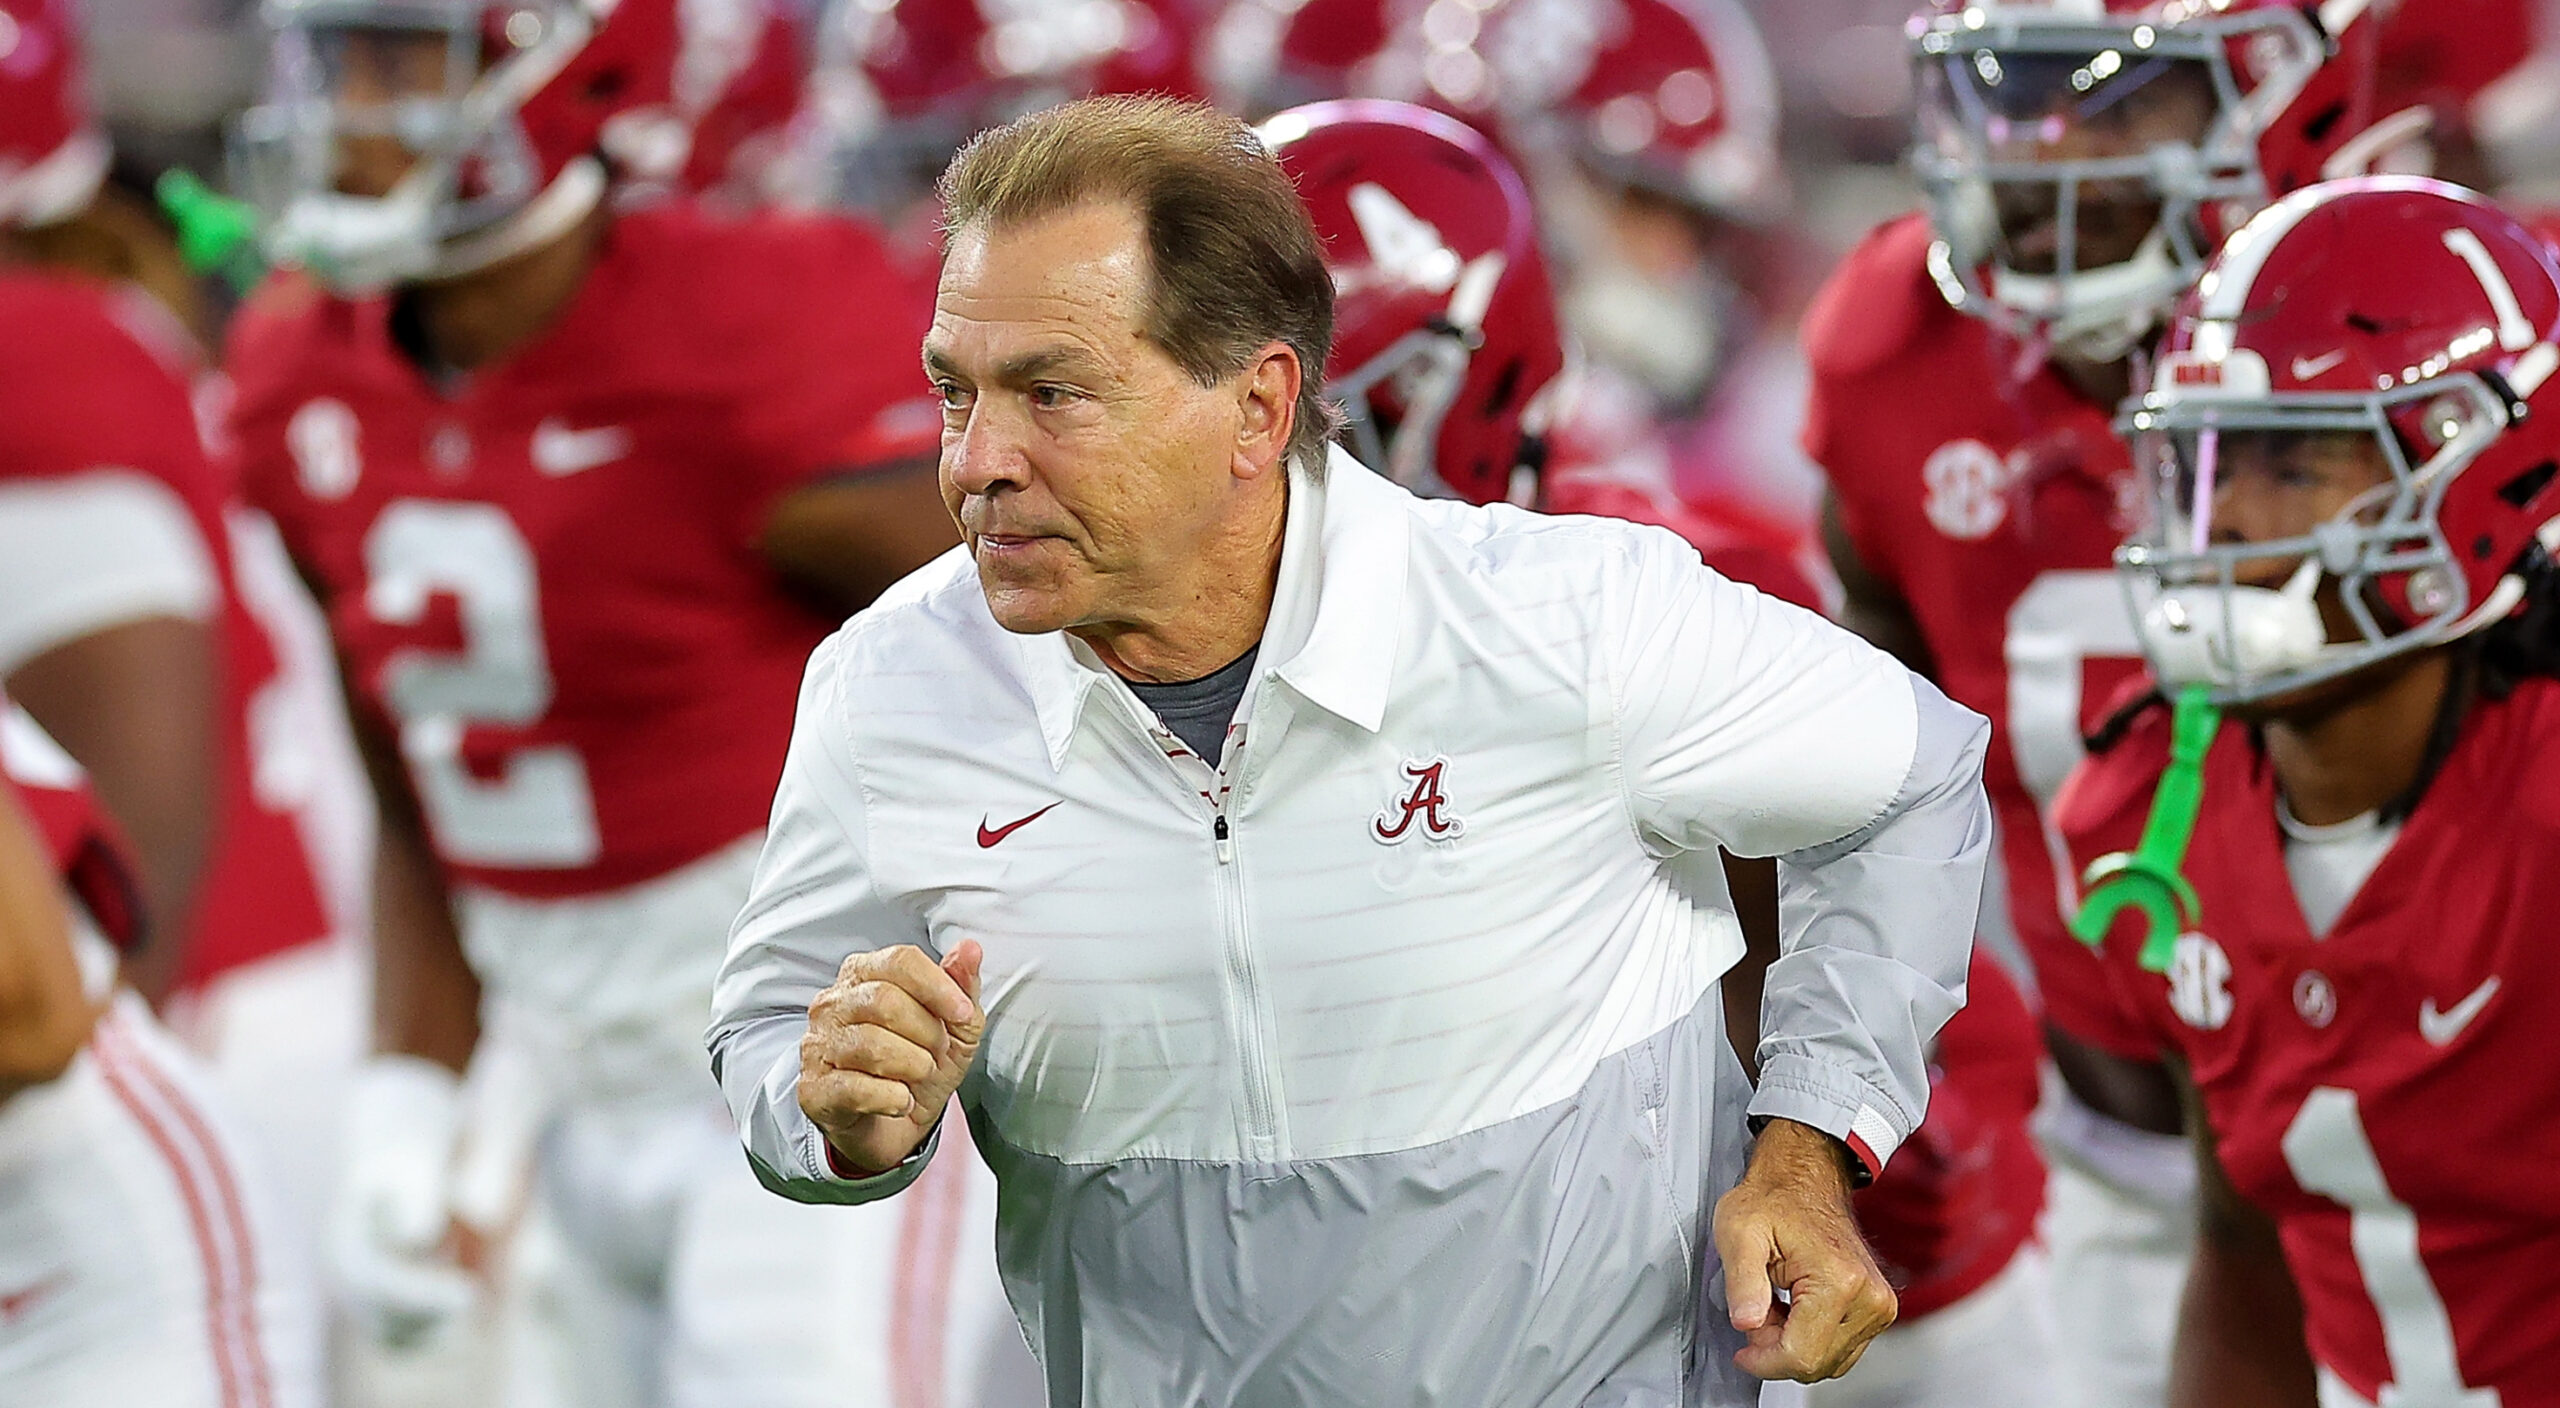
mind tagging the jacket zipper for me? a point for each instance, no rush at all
(1243, 967)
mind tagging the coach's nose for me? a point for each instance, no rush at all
(984, 451)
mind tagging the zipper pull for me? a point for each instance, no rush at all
(1226, 841)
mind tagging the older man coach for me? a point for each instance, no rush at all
(1310, 891)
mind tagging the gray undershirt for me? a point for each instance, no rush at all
(1198, 711)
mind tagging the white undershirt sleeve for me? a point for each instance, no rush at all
(96, 550)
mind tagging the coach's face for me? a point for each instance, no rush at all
(1088, 472)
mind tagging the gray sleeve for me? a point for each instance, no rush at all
(813, 903)
(1876, 936)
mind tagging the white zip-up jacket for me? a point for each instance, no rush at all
(1383, 1064)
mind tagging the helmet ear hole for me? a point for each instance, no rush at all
(1506, 385)
(2521, 491)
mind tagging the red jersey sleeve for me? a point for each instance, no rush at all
(834, 383)
(2101, 808)
(87, 851)
(91, 393)
(1868, 319)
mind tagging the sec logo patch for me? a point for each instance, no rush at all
(1968, 489)
(2200, 983)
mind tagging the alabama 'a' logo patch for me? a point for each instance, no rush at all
(1424, 807)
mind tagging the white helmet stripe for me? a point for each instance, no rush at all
(2336, 15)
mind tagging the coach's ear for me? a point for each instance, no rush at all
(1266, 410)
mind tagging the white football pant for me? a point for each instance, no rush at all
(1992, 1349)
(137, 1261)
(2119, 1222)
(655, 1272)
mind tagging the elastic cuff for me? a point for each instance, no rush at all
(886, 1181)
(837, 1168)
(1796, 1087)
(817, 1179)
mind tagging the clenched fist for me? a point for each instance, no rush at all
(887, 1045)
(1788, 1227)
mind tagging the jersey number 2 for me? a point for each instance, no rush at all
(2327, 1149)
(539, 810)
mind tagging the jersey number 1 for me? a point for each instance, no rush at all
(539, 810)
(2327, 1149)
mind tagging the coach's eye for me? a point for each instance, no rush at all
(953, 395)
(1050, 397)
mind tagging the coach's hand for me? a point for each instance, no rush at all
(887, 1046)
(1787, 1227)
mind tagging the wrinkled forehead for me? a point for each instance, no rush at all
(1079, 274)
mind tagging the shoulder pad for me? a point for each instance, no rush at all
(2112, 788)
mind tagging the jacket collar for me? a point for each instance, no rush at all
(1334, 614)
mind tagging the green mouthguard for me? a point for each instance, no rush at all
(216, 234)
(2147, 877)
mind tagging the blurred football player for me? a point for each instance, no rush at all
(154, 628)
(1448, 360)
(1261, 56)
(579, 490)
(2350, 442)
(2445, 60)
(1647, 131)
(137, 1255)
(739, 87)
(2081, 159)
(899, 85)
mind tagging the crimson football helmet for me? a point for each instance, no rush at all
(1264, 55)
(1445, 339)
(2397, 309)
(509, 109)
(727, 129)
(738, 88)
(899, 85)
(2084, 157)
(1680, 99)
(52, 156)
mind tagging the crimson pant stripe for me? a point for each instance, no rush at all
(214, 1209)
(922, 1299)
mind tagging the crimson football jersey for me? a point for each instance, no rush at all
(1735, 553)
(93, 376)
(544, 578)
(1963, 1193)
(1993, 505)
(2385, 1093)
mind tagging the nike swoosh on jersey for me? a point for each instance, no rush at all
(560, 451)
(988, 837)
(2305, 368)
(2440, 1028)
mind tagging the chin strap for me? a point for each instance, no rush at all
(570, 198)
(2147, 877)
